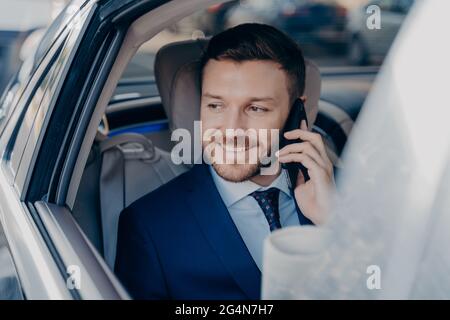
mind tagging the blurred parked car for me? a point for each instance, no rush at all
(213, 19)
(371, 45)
(308, 22)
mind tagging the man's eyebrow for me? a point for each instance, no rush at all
(210, 95)
(261, 99)
(215, 96)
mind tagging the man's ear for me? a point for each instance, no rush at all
(303, 98)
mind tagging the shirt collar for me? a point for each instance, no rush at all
(232, 192)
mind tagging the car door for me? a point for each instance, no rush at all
(10, 288)
(53, 258)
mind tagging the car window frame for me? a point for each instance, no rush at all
(19, 106)
(54, 31)
(65, 48)
(31, 108)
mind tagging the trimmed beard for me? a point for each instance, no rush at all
(237, 172)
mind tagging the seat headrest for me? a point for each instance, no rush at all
(177, 77)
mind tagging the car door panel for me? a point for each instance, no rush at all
(92, 278)
(10, 288)
(40, 277)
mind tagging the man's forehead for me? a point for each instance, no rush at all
(253, 66)
(260, 79)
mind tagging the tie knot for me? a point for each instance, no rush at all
(266, 195)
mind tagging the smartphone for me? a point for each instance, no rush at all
(296, 115)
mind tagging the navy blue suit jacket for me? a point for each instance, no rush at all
(179, 242)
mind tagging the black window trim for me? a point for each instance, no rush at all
(24, 173)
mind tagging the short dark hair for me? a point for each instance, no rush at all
(255, 41)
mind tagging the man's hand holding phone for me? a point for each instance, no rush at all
(313, 196)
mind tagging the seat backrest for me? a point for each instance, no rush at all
(131, 168)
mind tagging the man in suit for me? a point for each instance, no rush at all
(200, 236)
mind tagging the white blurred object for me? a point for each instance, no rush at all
(394, 212)
(31, 43)
(24, 15)
(288, 252)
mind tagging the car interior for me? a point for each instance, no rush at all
(124, 164)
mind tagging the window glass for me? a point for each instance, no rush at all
(403, 6)
(386, 5)
(34, 57)
(43, 97)
(55, 29)
(332, 33)
(29, 117)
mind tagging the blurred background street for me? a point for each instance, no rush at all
(333, 33)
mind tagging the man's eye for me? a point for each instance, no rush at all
(257, 109)
(214, 106)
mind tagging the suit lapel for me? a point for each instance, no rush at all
(220, 230)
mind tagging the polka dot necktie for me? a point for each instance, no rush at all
(268, 201)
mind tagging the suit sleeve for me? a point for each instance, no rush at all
(137, 263)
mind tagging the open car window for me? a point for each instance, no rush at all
(19, 81)
(331, 33)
